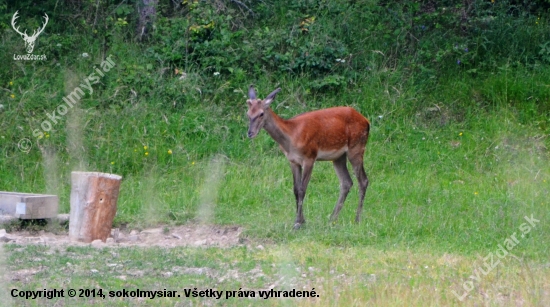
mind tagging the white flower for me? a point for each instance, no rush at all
(217, 73)
(338, 60)
(58, 45)
(85, 55)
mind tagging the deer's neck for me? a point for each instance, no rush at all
(278, 129)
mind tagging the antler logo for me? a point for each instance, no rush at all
(29, 40)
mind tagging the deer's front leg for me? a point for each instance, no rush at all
(307, 168)
(297, 180)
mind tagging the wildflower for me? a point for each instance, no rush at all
(193, 163)
(58, 45)
(11, 82)
(465, 49)
(457, 62)
(85, 55)
(217, 73)
(146, 153)
(169, 151)
(475, 193)
(12, 96)
(145, 147)
(112, 162)
(460, 134)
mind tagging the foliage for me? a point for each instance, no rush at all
(456, 91)
(419, 70)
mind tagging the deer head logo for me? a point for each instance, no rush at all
(29, 40)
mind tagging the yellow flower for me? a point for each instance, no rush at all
(193, 163)
(145, 147)
(146, 153)
(460, 134)
(475, 193)
(11, 82)
(135, 149)
(169, 151)
(47, 135)
(112, 162)
(12, 96)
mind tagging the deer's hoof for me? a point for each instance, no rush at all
(297, 226)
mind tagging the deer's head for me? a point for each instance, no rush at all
(257, 109)
(29, 40)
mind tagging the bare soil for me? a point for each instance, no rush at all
(195, 235)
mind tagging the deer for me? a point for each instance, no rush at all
(29, 40)
(334, 134)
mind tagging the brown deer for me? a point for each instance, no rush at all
(333, 134)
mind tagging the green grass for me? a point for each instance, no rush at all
(460, 187)
(442, 197)
(350, 276)
(456, 160)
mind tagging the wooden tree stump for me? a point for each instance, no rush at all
(93, 205)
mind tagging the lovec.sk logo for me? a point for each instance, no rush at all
(29, 40)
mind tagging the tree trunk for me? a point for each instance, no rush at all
(93, 205)
(147, 12)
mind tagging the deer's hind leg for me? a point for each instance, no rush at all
(345, 184)
(355, 156)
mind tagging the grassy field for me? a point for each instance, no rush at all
(457, 211)
(444, 201)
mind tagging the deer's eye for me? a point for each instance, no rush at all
(261, 114)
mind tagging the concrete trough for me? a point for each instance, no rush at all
(29, 206)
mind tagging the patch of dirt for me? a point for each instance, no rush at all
(187, 235)
(24, 275)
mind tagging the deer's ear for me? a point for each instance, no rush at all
(269, 99)
(251, 92)
(249, 102)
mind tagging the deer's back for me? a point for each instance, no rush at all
(329, 129)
